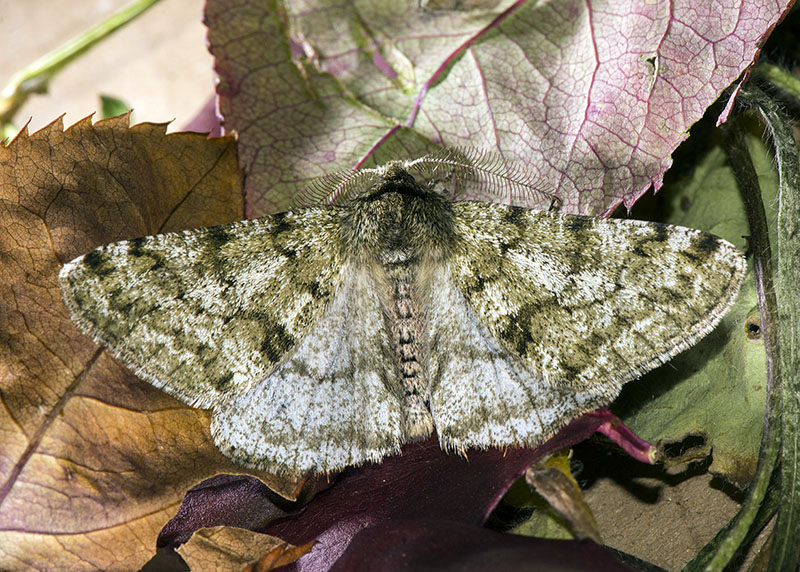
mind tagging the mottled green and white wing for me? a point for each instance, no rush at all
(204, 312)
(229, 318)
(541, 317)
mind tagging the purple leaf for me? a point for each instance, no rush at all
(207, 120)
(223, 500)
(422, 483)
(444, 546)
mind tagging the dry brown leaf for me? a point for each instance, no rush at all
(93, 461)
(553, 480)
(225, 548)
(280, 556)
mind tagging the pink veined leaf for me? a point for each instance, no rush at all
(591, 98)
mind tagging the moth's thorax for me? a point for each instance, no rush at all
(399, 220)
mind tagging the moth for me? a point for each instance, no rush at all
(331, 335)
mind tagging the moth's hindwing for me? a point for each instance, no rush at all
(542, 316)
(334, 403)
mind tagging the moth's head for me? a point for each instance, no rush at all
(348, 186)
(394, 178)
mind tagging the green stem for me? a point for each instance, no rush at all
(35, 77)
(732, 539)
(786, 544)
(717, 554)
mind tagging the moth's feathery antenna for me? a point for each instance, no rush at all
(466, 167)
(487, 171)
(334, 187)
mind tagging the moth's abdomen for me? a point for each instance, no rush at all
(405, 318)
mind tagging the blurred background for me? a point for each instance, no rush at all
(158, 64)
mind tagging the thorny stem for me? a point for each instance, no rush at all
(35, 77)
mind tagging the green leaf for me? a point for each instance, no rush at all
(112, 106)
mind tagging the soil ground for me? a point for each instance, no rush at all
(649, 513)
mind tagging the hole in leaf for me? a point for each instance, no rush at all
(692, 451)
(753, 328)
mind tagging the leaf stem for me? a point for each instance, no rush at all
(35, 77)
(762, 264)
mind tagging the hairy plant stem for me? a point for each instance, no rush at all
(786, 537)
(779, 304)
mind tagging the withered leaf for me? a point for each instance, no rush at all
(93, 461)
